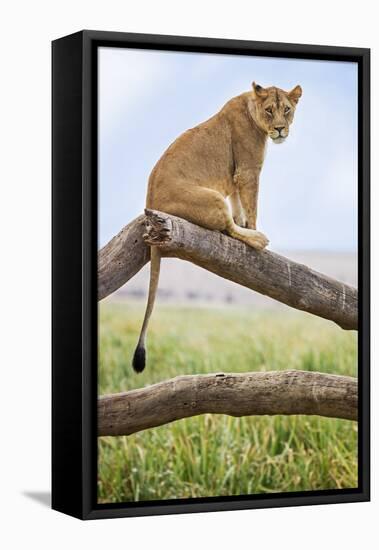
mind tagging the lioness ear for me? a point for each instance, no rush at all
(295, 94)
(259, 92)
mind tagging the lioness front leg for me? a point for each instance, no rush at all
(237, 210)
(249, 201)
(248, 194)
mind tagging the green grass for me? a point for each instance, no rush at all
(214, 455)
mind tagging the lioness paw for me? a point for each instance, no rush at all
(259, 241)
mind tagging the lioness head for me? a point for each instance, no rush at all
(274, 110)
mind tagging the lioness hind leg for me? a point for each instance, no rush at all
(199, 205)
(207, 208)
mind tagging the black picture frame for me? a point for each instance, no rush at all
(74, 272)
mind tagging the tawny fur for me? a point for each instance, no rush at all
(220, 158)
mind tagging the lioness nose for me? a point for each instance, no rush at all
(279, 128)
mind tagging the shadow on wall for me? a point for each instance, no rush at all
(41, 497)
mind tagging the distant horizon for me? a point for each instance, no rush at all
(184, 282)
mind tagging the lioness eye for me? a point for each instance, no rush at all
(269, 111)
(287, 110)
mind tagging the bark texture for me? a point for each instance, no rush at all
(257, 393)
(121, 258)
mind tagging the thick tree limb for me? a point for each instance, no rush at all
(257, 393)
(270, 274)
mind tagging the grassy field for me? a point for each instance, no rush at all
(215, 455)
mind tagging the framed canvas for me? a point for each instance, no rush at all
(225, 183)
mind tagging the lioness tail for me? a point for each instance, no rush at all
(139, 358)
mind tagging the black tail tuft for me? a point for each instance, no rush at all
(139, 359)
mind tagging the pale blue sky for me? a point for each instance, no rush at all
(308, 191)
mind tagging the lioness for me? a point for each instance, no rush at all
(220, 158)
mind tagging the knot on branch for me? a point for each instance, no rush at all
(158, 228)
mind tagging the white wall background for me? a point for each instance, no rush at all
(27, 28)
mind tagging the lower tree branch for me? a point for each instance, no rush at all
(257, 393)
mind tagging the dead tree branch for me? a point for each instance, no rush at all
(257, 393)
(291, 283)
